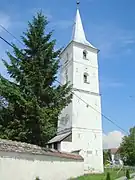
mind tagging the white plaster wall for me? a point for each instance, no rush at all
(79, 70)
(67, 65)
(86, 122)
(81, 66)
(28, 167)
(90, 142)
(91, 54)
(65, 118)
(85, 116)
(66, 146)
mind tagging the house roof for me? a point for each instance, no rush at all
(112, 150)
(59, 138)
(19, 147)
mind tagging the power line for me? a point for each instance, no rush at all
(98, 111)
(6, 41)
(11, 34)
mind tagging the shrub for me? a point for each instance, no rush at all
(127, 174)
(37, 178)
(108, 176)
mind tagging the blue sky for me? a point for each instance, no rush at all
(109, 25)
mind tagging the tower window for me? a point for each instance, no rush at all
(84, 54)
(85, 78)
(56, 146)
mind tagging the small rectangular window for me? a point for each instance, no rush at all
(84, 54)
(89, 152)
(56, 146)
(50, 146)
(86, 78)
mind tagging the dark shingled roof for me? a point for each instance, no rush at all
(59, 137)
(19, 147)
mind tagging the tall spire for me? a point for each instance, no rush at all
(78, 31)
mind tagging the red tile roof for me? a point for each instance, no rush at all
(114, 150)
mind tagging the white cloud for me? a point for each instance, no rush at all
(112, 139)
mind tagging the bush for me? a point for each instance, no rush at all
(37, 178)
(127, 174)
(108, 176)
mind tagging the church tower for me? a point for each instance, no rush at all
(80, 123)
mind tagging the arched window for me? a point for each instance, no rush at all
(84, 54)
(85, 78)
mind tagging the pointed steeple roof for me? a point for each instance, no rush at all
(78, 31)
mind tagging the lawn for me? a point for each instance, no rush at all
(113, 173)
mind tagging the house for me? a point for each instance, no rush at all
(115, 158)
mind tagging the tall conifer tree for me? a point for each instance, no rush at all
(33, 100)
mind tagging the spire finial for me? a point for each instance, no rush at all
(77, 2)
(78, 34)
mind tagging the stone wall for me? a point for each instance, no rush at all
(21, 161)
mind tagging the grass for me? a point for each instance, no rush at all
(113, 173)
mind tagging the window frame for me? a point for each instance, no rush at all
(85, 54)
(86, 78)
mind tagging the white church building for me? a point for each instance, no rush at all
(80, 123)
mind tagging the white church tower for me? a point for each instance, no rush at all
(80, 124)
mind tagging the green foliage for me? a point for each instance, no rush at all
(106, 156)
(108, 176)
(113, 174)
(127, 174)
(33, 100)
(127, 148)
(37, 178)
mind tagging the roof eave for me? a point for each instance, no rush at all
(72, 41)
